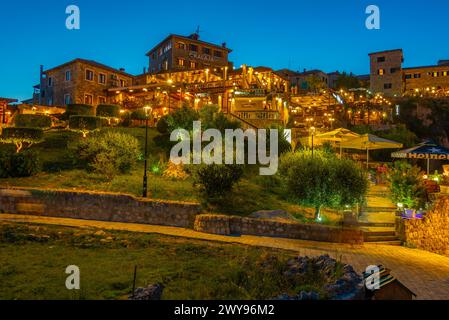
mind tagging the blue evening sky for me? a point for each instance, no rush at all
(324, 34)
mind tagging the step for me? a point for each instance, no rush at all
(377, 224)
(386, 243)
(380, 238)
(380, 233)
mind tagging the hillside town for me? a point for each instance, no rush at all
(89, 180)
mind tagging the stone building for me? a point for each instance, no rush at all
(79, 81)
(4, 112)
(386, 72)
(177, 53)
(387, 75)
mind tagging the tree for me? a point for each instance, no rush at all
(345, 81)
(22, 137)
(406, 185)
(84, 124)
(109, 153)
(315, 83)
(322, 180)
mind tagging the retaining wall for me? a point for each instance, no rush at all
(97, 206)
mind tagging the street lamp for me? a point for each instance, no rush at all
(147, 110)
(312, 133)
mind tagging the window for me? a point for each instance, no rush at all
(388, 85)
(445, 73)
(381, 59)
(193, 47)
(193, 64)
(102, 78)
(417, 75)
(408, 76)
(181, 62)
(218, 54)
(381, 72)
(68, 75)
(435, 74)
(206, 50)
(50, 81)
(394, 70)
(88, 99)
(89, 75)
(122, 83)
(181, 45)
(101, 100)
(67, 99)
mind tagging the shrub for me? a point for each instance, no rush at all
(162, 125)
(23, 164)
(108, 110)
(322, 180)
(32, 121)
(216, 180)
(406, 185)
(138, 114)
(109, 153)
(85, 124)
(22, 137)
(79, 110)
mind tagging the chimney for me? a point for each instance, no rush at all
(194, 36)
(144, 70)
(122, 69)
(223, 44)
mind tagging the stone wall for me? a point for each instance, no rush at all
(227, 225)
(432, 232)
(97, 206)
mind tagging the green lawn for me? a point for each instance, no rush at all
(253, 193)
(34, 258)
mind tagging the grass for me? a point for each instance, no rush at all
(34, 258)
(252, 194)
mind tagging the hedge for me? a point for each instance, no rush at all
(23, 164)
(30, 135)
(87, 123)
(108, 110)
(22, 137)
(80, 110)
(32, 121)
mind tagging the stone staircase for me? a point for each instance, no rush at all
(377, 220)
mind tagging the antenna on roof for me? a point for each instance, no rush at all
(198, 30)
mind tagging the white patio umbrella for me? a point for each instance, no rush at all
(370, 142)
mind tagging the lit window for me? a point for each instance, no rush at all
(89, 75)
(88, 99)
(122, 83)
(445, 73)
(381, 72)
(68, 75)
(192, 64)
(181, 62)
(102, 78)
(101, 100)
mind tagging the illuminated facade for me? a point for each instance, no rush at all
(387, 76)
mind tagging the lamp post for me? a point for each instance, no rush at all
(148, 110)
(312, 133)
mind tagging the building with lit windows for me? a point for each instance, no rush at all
(389, 77)
(176, 53)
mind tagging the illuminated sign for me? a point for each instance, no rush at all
(202, 57)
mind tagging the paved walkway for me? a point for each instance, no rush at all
(425, 273)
